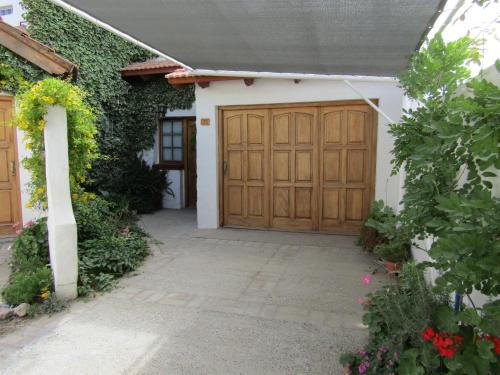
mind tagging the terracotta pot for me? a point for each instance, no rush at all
(392, 267)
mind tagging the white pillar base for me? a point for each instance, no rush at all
(61, 222)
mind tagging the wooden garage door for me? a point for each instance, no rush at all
(298, 167)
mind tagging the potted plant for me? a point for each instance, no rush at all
(384, 233)
(394, 253)
(370, 236)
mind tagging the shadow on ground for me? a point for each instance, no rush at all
(210, 302)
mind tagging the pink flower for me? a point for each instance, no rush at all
(15, 225)
(19, 231)
(367, 279)
(361, 301)
(30, 223)
(363, 366)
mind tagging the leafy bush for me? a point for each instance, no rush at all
(133, 180)
(30, 250)
(371, 237)
(395, 316)
(27, 285)
(110, 244)
(387, 237)
(103, 259)
(413, 330)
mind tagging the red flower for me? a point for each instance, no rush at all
(447, 344)
(496, 341)
(428, 334)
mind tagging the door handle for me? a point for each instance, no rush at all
(13, 168)
(225, 167)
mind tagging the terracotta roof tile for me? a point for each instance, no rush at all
(152, 66)
(179, 73)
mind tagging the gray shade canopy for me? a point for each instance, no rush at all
(357, 37)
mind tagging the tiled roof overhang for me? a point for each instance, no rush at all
(19, 42)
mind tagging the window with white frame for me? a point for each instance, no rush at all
(6, 10)
(172, 142)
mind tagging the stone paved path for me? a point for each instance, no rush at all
(210, 302)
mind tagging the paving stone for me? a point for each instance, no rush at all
(176, 299)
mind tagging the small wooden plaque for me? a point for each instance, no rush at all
(205, 121)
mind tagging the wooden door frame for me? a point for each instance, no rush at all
(186, 159)
(319, 104)
(12, 100)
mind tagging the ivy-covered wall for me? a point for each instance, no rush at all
(126, 110)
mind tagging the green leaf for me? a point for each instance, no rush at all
(485, 349)
(469, 316)
(409, 365)
(446, 320)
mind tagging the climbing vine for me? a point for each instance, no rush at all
(82, 148)
(12, 79)
(126, 109)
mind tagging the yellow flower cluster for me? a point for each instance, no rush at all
(45, 294)
(81, 134)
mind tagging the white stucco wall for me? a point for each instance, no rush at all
(176, 177)
(267, 91)
(24, 179)
(16, 17)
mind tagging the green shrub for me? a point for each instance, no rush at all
(110, 244)
(103, 259)
(370, 237)
(396, 250)
(93, 218)
(26, 286)
(30, 250)
(133, 180)
(396, 315)
(385, 235)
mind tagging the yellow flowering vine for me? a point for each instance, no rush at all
(82, 147)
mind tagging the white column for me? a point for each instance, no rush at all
(61, 221)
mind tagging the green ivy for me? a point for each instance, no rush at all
(126, 109)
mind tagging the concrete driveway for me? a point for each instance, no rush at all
(209, 302)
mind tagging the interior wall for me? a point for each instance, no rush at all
(176, 177)
(269, 91)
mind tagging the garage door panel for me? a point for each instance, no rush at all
(255, 129)
(354, 204)
(355, 166)
(332, 170)
(304, 129)
(282, 128)
(281, 166)
(332, 127)
(256, 201)
(331, 204)
(281, 202)
(356, 127)
(299, 167)
(303, 203)
(255, 166)
(304, 166)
